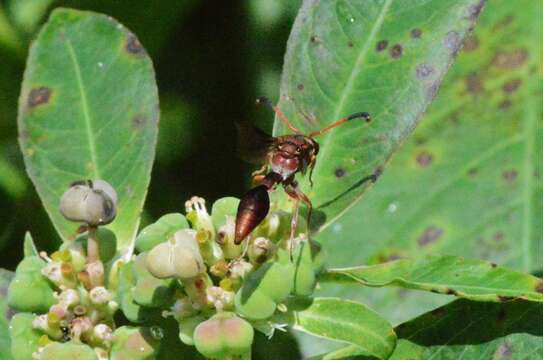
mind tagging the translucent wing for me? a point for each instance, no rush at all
(253, 143)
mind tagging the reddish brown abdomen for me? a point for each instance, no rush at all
(252, 210)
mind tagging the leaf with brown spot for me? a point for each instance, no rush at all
(471, 279)
(387, 73)
(89, 115)
(486, 215)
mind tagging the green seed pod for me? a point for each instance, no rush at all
(305, 278)
(160, 231)
(90, 202)
(30, 290)
(68, 350)
(222, 209)
(149, 290)
(186, 329)
(135, 343)
(224, 336)
(264, 288)
(179, 257)
(24, 339)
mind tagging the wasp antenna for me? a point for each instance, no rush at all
(267, 102)
(364, 115)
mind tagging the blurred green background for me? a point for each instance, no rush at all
(212, 59)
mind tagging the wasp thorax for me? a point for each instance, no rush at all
(90, 202)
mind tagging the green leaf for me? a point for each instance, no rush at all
(89, 110)
(349, 322)
(445, 191)
(160, 231)
(5, 313)
(467, 330)
(384, 57)
(27, 14)
(222, 208)
(29, 248)
(451, 275)
(24, 339)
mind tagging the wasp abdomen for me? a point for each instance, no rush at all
(252, 210)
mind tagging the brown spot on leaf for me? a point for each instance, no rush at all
(339, 172)
(474, 83)
(424, 70)
(416, 33)
(430, 235)
(350, 44)
(378, 172)
(539, 287)
(139, 121)
(510, 175)
(382, 45)
(502, 298)
(512, 85)
(475, 10)
(498, 236)
(38, 96)
(451, 292)
(432, 90)
(471, 43)
(452, 42)
(300, 87)
(133, 45)
(424, 159)
(504, 351)
(493, 265)
(509, 60)
(396, 51)
(505, 104)
(473, 172)
(314, 39)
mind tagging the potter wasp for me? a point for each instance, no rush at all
(282, 157)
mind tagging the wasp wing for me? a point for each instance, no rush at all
(253, 143)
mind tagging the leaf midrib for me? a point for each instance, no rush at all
(84, 108)
(347, 90)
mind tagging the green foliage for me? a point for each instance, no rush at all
(5, 312)
(450, 275)
(29, 290)
(24, 339)
(160, 231)
(387, 58)
(69, 350)
(70, 107)
(349, 322)
(469, 330)
(466, 182)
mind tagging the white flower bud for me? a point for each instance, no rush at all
(240, 269)
(68, 298)
(100, 295)
(91, 202)
(261, 249)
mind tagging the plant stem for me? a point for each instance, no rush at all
(92, 245)
(9, 37)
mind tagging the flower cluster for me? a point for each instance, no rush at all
(185, 269)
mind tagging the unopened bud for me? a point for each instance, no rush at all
(91, 202)
(260, 250)
(99, 295)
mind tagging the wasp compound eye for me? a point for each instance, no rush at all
(90, 202)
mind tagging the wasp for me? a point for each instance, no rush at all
(282, 157)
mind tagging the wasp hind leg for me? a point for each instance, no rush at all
(297, 195)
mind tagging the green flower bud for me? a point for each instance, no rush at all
(179, 257)
(49, 325)
(69, 350)
(135, 343)
(24, 338)
(160, 231)
(186, 329)
(225, 239)
(99, 295)
(223, 336)
(101, 336)
(90, 202)
(149, 290)
(30, 290)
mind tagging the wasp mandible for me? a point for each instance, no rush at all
(283, 157)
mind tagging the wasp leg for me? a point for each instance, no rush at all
(297, 195)
(257, 179)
